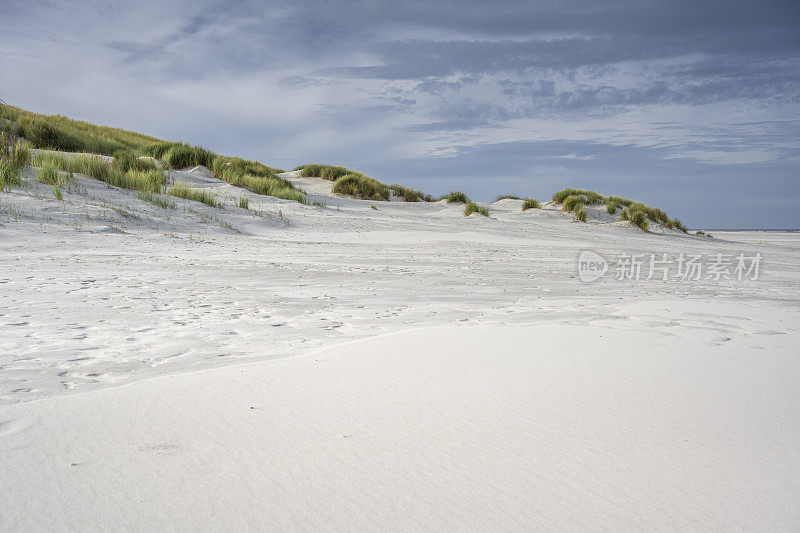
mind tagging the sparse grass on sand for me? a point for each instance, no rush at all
(507, 197)
(181, 190)
(638, 214)
(472, 207)
(156, 199)
(456, 197)
(410, 195)
(47, 173)
(530, 203)
(360, 186)
(580, 214)
(244, 202)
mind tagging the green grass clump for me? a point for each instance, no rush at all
(10, 175)
(410, 195)
(591, 197)
(310, 171)
(620, 201)
(156, 199)
(572, 202)
(327, 172)
(611, 207)
(185, 156)
(126, 160)
(181, 190)
(638, 216)
(678, 224)
(623, 215)
(222, 164)
(244, 202)
(457, 197)
(12, 160)
(507, 197)
(157, 149)
(333, 173)
(580, 214)
(360, 186)
(47, 173)
(472, 207)
(141, 180)
(530, 203)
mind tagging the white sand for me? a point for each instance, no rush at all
(408, 369)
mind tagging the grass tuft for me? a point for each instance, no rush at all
(156, 199)
(185, 156)
(126, 160)
(360, 186)
(456, 197)
(47, 173)
(244, 202)
(530, 203)
(507, 197)
(472, 207)
(181, 190)
(580, 214)
(590, 197)
(410, 195)
(573, 202)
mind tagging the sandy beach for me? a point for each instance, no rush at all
(350, 367)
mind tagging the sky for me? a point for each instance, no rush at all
(691, 106)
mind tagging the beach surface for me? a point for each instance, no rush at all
(402, 367)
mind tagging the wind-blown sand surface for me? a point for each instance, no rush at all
(407, 369)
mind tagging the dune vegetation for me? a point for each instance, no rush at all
(360, 186)
(637, 213)
(456, 197)
(472, 207)
(138, 162)
(13, 158)
(507, 197)
(181, 190)
(348, 182)
(410, 195)
(137, 158)
(530, 203)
